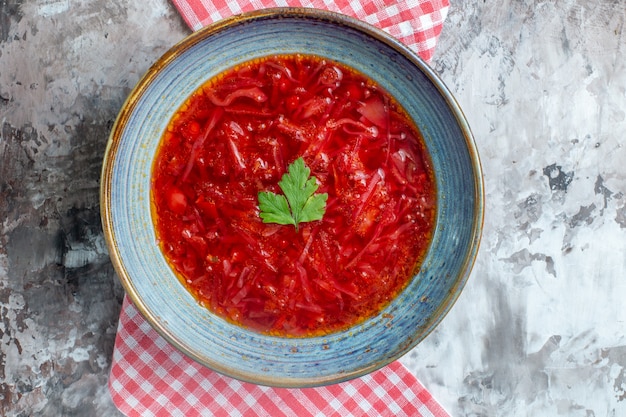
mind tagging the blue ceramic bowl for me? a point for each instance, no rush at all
(233, 350)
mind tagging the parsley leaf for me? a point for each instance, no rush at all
(299, 202)
(274, 208)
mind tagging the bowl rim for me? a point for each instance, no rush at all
(188, 42)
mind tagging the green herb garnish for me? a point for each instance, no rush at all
(299, 203)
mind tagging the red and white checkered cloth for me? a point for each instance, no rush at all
(149, 377)
(417, 23)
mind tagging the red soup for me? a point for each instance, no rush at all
(360, 161)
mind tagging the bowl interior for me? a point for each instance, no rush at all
(230, 349)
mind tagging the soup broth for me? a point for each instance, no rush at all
(236, 137)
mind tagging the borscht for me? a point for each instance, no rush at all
(294, 196)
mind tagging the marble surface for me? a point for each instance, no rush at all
(539, 329)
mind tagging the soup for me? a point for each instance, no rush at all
(292, 195)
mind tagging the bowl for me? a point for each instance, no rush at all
(234, 350)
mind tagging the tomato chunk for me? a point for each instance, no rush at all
(176, 201)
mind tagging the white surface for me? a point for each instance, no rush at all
(539, 329)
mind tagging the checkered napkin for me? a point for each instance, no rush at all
(417, 23)
(149, 377)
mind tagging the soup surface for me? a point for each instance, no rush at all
(329, 140)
